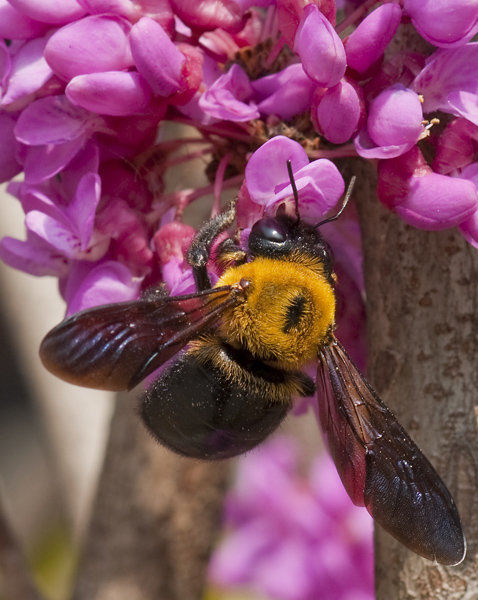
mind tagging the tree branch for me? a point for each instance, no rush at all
(422, 305)
(156, 518)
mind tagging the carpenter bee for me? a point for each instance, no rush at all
(248, 338)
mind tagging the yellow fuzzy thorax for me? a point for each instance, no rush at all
(288, 312)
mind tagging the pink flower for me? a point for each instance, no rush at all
(320, 48)
(112, 93)
(28, 73)
(53, 12)
(229, 97)
(284, 94)
(340, 111)
(156, 57)
(90, 284)
(394, 124)
(422, 198)
(449, 82)
(444, 23)
(16, 25)
(91, 45)
(456, 146)
(319, 183)
(367, 43)
(291, 536)
(206, 15)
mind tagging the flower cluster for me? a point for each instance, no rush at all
(86, 86)
(293, 536)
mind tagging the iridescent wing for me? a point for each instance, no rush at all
(381, 467)
(114, 347)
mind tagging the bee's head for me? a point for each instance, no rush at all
(282, 235)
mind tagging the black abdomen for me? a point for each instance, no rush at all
(207, 405)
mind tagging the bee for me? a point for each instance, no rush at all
(243, 344)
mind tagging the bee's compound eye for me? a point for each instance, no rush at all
(267, 231)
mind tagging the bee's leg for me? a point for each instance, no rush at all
(229, 253)
(200, 248)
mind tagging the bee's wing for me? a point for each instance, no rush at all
(113, 347)
(381, 467)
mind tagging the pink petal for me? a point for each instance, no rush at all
(443, 23)
(395, 117)
(36, 259)
(366, 147)
(30, 71)
(284, 94)
(54, 120)
(103, 283)
(93, 44)
(55, 12)
(447, 75)
(113, 93)
(15, 25)
(82, 209)
(436, 202)
(124, 8)
(156, 57)
(86, 160)
(206, 15)
(339, 112)
(319, 185)
(56, 233)
(229, 97)
(320, 48)
(267, 167)
(289, 13)
(469, 229)
(367, 43)
(42, 162)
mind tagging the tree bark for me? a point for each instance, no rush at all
(422, 313)
(155, 520)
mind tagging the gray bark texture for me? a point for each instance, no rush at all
(422, 314)
(156, 518)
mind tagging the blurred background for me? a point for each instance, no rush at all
(52, 435)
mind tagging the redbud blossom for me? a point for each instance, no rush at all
(444, 23)
(16, 25)
(156, 57)
(113, 93)
(394, 124)
(230, 97)
(53, 12)
(27, 74)
(319, 182)
(366, 44)
(339, 112)
(206, 15)
(90, 284)
(422, 198)
(456, 146)
(91, 45)
(449, 82)
(320, 48)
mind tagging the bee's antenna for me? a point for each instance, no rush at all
(344, 203)
(294, 189)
